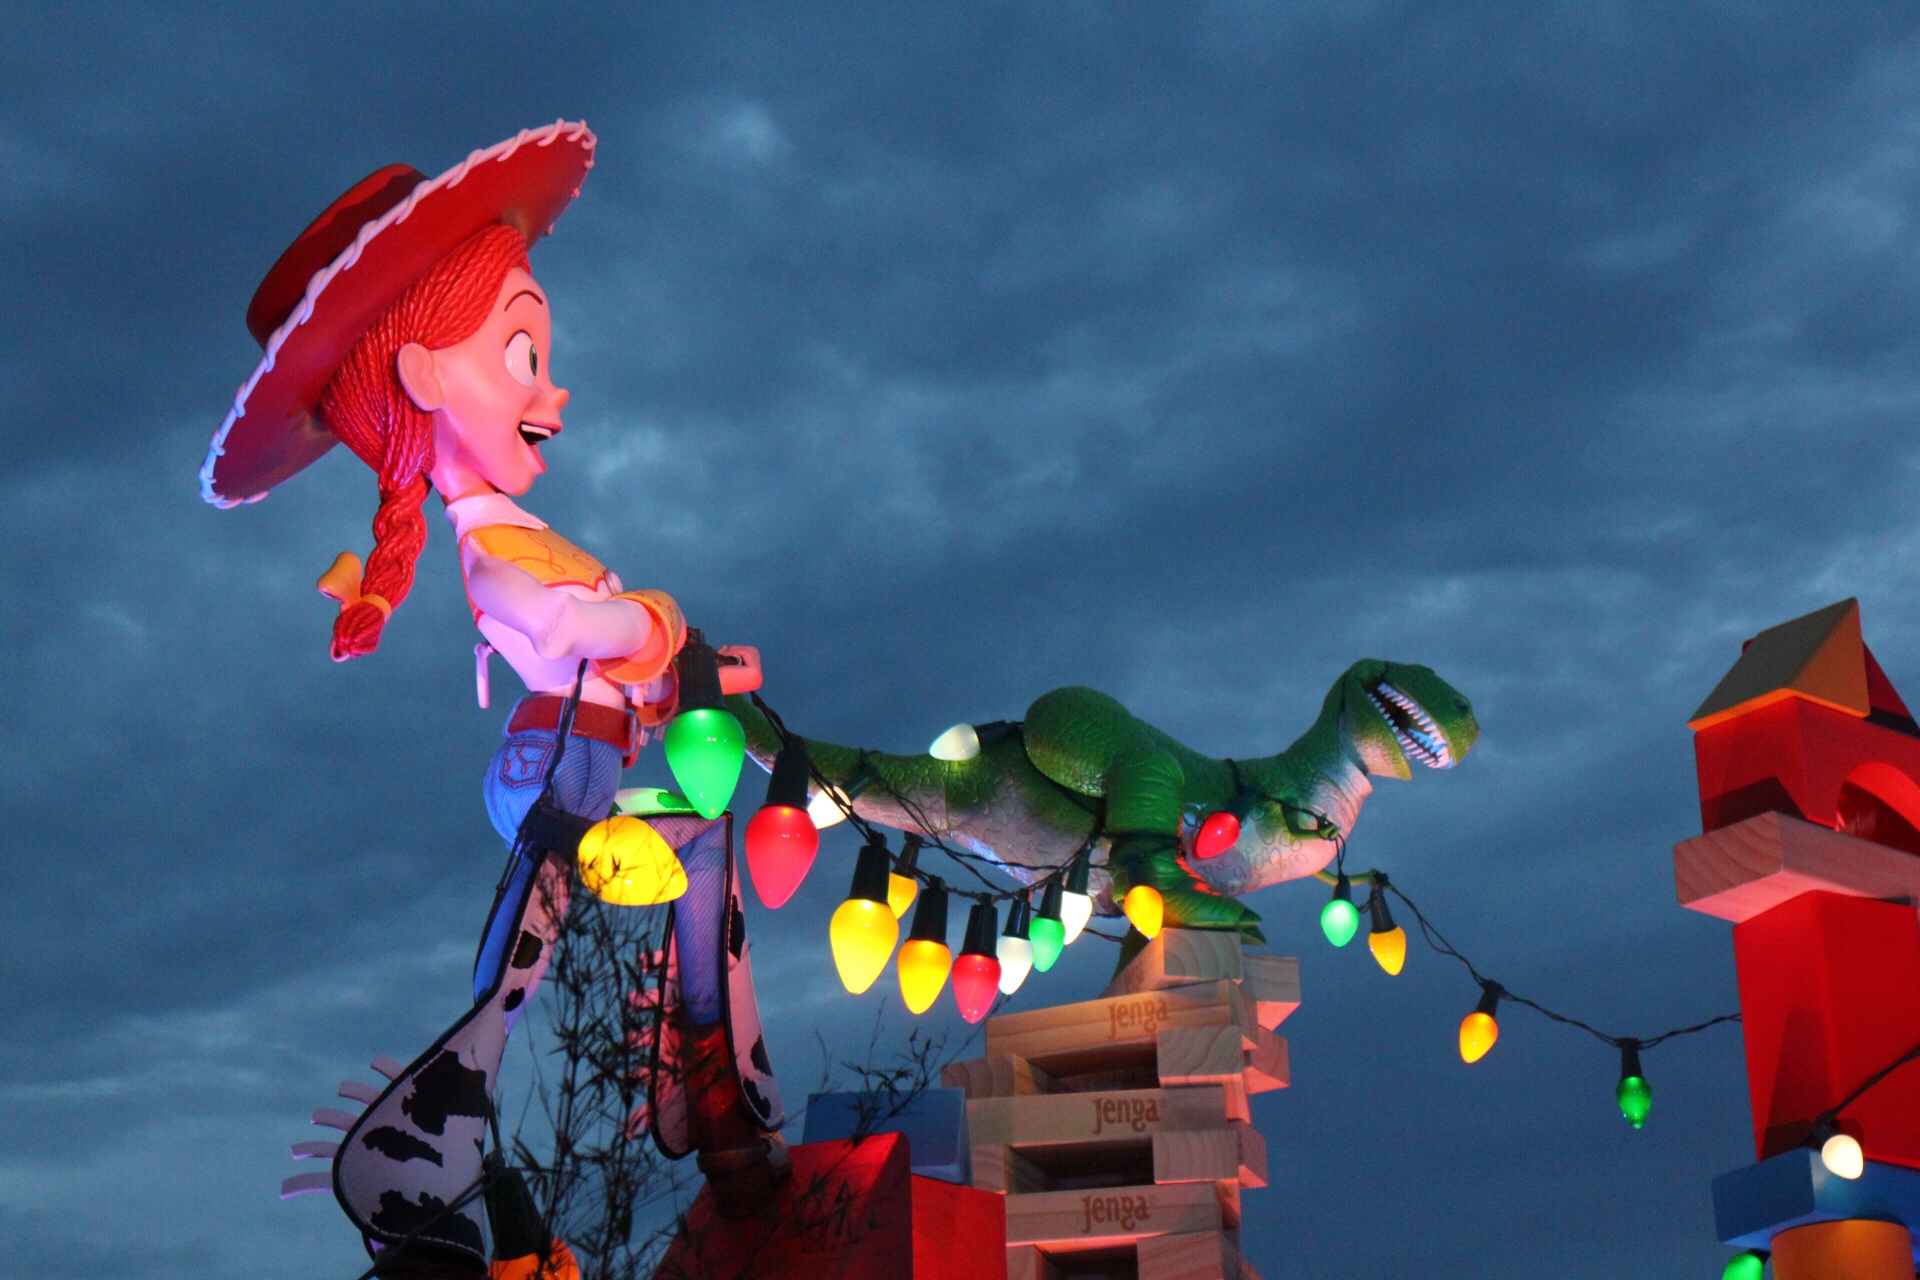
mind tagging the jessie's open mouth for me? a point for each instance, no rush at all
(535, 435)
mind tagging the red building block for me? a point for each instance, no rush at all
(1830, 994)
(1799, 757)
(851, 1211)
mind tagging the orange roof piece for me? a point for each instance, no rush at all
(1819, 657)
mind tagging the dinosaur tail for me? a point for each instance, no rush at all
(889, 789)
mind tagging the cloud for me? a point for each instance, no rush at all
(950, 356)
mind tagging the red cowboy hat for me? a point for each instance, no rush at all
(342, 272)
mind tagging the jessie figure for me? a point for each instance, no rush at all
(406, 323)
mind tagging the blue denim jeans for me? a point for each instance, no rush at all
(589, 774)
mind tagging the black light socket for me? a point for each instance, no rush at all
(983, 924)
(909, 855)
(512, 1214)
(870, 871)
(1019, 917)
(1078, 871)
(1630, 1060)
(1377, 908)
(1490, 993)
(1050, 900)
(697, 668)
(930, 915)
(791, 772)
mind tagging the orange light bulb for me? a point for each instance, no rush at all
(1478, 1030)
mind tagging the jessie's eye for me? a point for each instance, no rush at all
(523, 358)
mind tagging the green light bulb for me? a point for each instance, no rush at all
(1633, 1093)
(1339, 920)
(1636, 1099)
(705, 748)
(1049, 938)
(1749, 1265)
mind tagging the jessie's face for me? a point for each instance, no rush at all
(497, 398)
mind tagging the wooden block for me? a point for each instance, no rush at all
(958, 1233)
(1006, 1172)
(1739, 871)
(1081, 1036)
(1200, 1055)
(1123, 1115)
(1025, 1262)
(1204, 1156)
(1178, 958)
(1116, 1215)
(1247, 1271)
(1235, 1092)
(1227, 1196)
(1191, 1255)
(1274, 984)
(1253, 1155)
(1267, 1066)
(1001, 1076)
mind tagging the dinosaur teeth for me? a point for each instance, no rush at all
(1416, 732)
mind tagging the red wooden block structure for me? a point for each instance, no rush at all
(850, 1211)
(1809, 769)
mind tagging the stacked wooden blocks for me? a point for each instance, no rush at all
(1118, 1128)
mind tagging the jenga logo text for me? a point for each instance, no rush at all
(1124, 1113)
(1134, 1018)
(1125, 1212)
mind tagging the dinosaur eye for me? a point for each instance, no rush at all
(523, 358)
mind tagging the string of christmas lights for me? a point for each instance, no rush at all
(782, 841)
(1480, 1029)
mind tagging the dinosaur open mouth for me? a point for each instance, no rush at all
(1419, 737)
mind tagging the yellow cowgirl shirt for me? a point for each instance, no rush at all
(492, 524)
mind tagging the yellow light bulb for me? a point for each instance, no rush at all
(624, 861)
(862, 933)
(1389, 948)
(1146, 908)
(901, 891)
(923, 969)
(1478, 1031)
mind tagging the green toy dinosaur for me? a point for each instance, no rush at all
(1081, 772)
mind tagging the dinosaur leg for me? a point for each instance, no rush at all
(1189, 904)
(1143, 789)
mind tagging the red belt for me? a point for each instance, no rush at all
(610, 725)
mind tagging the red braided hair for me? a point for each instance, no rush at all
(366, 407)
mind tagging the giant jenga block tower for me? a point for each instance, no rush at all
(1118, 1128)
(1809, 767)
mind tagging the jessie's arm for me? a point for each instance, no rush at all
(556, 622)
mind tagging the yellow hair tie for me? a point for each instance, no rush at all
(378, 602)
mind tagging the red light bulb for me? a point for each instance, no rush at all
(781, 840)
(1217, 835)
(976, 981)
(976, 970)
(781, 843)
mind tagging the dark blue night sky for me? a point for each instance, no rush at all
(950, 353)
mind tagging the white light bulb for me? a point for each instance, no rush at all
(1842, 1155)
(824, 811)
(1075, 910)
(1016, 961)
(956, 744)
